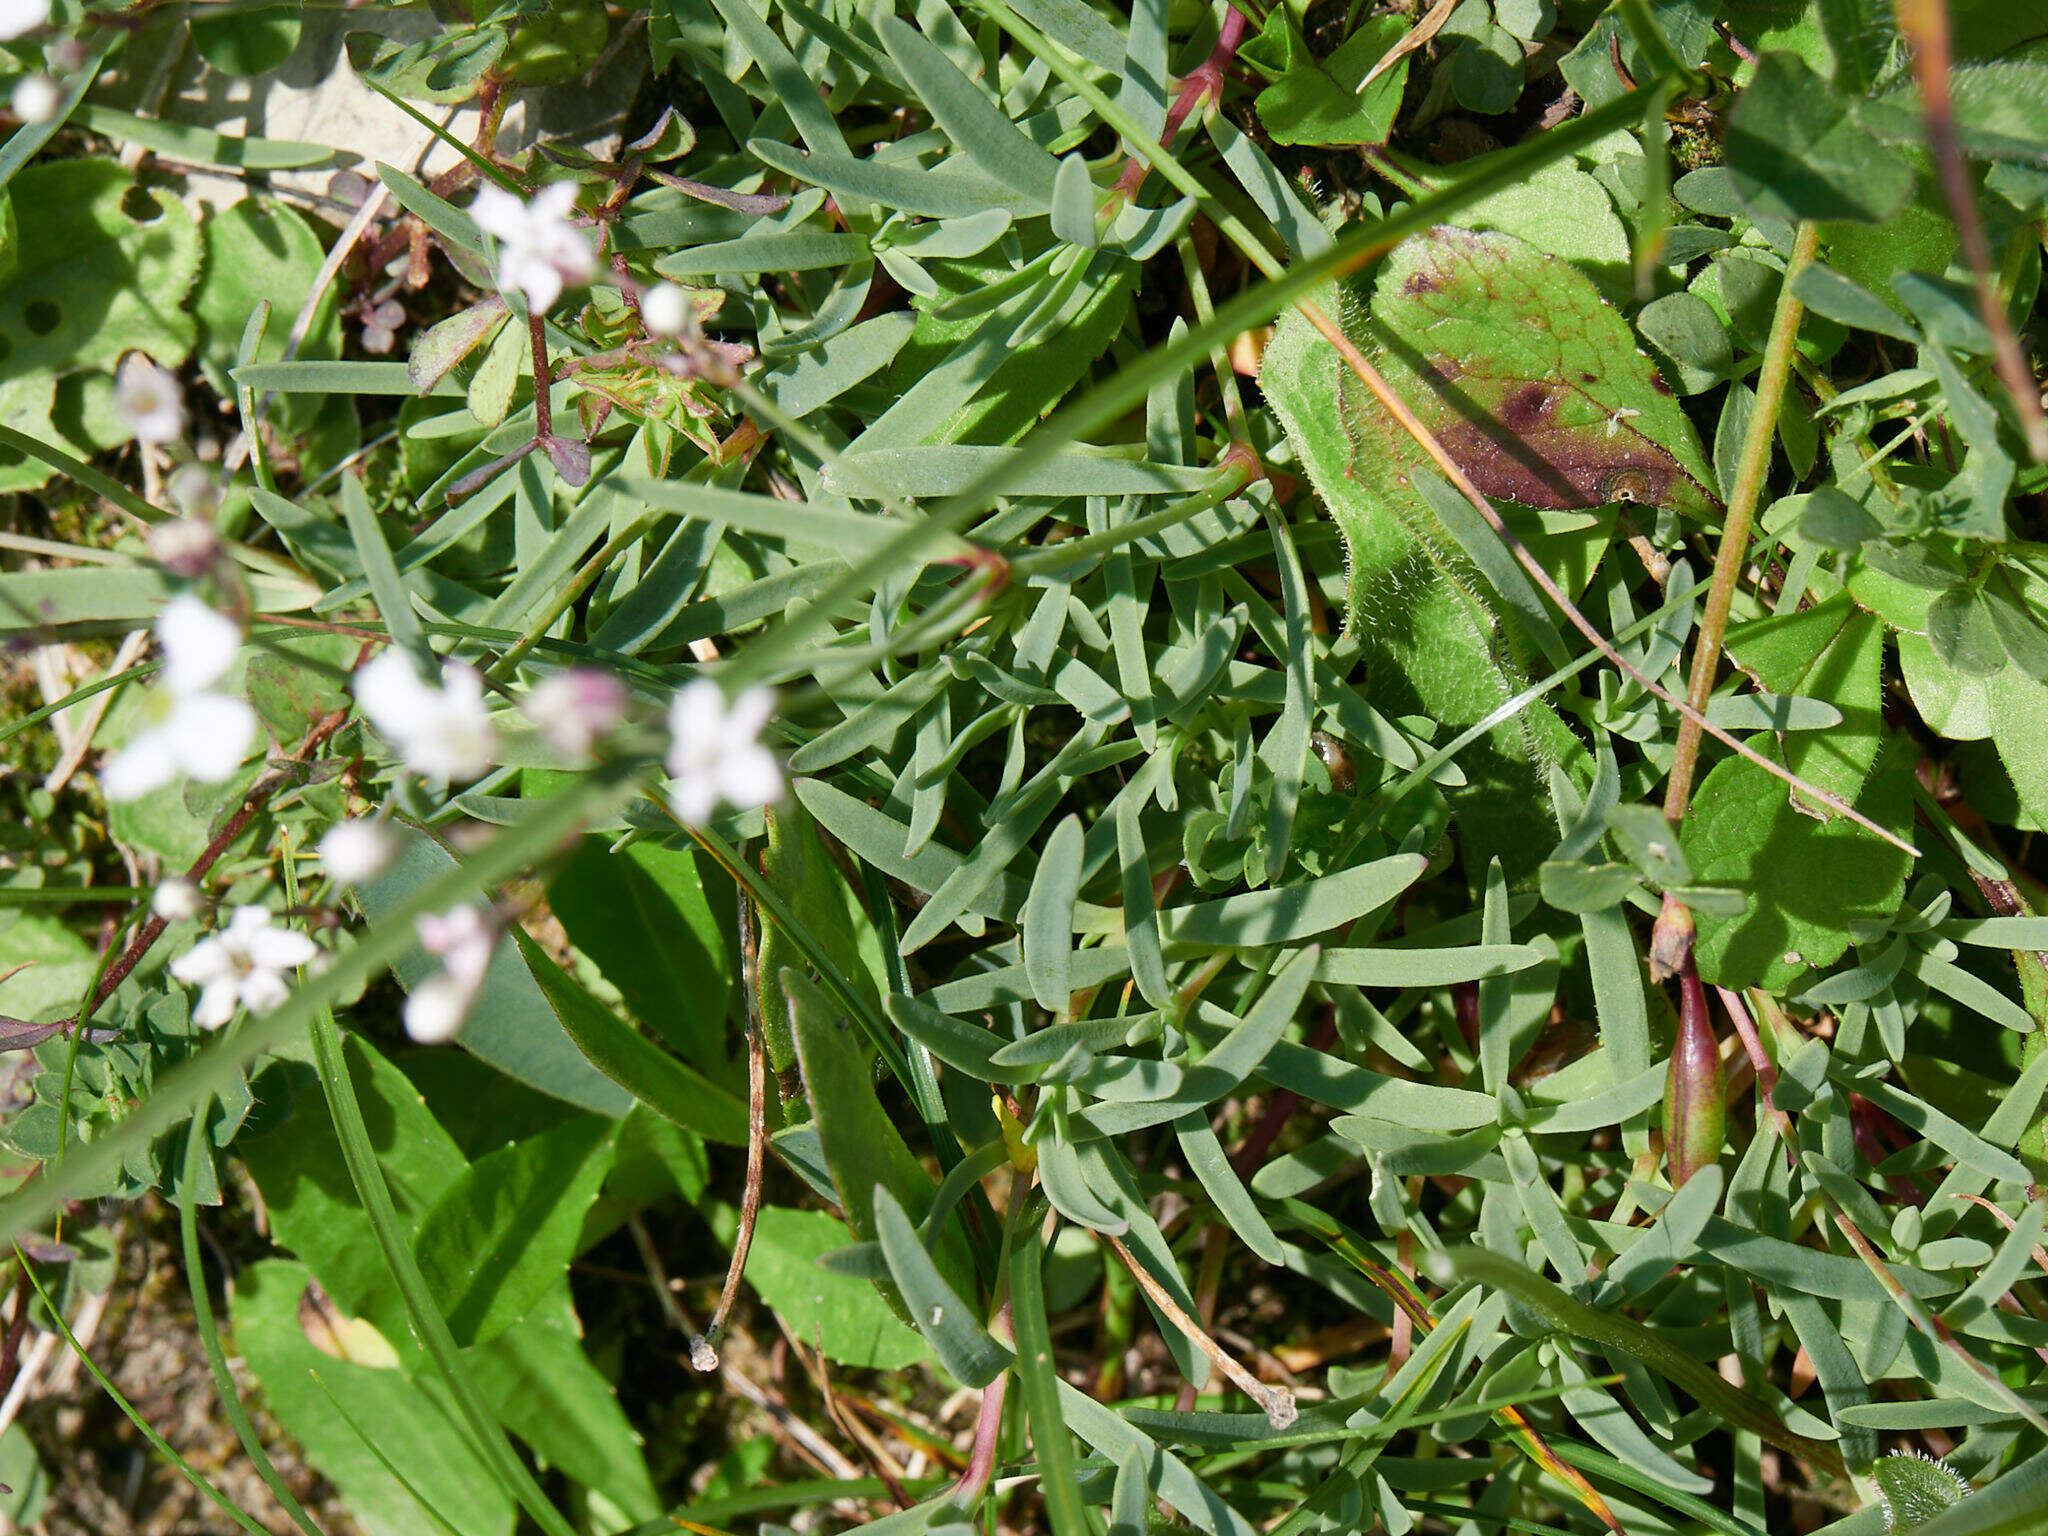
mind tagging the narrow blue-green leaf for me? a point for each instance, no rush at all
(201, 146)
(394, 605)
(969, 118)
(1211, 1168)
(1039, 1380)
(938, 195)
(846, 533)
(948, 1324)
(1073, 204)
(1165, 1474)
(1285, 749)
(2015, 1255)
(1395, 967)
(1141, 916)
(1973, 992)
(314, 377)
(1615, 967)
(1241, 1052)
(960, 1045)
(1077, 27)
(770, 250)
(1048, 921)
(793, 90)
(1067, 1187)
(1291, 913)
(437, 213)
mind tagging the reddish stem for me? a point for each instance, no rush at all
(1204, 80)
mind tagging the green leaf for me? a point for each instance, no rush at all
(319, 1218)
(118, 260)
(972, 121)
(1915, 1489)
(547, 1391)
(1797, 151)
(1039, 1379)
(835, 1313)
(862, 1147)
(1964, 632)
(444, 69)
(415, 1430)
(1319, 101)
(1807, 880)
(1048, 918)
(948, 1323)
(504, 1232)
(799, 869)
(643, 916)
(1290, 913)
(643, 1069)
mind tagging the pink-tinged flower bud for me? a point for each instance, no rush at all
(1695, 1094)
(576, 709)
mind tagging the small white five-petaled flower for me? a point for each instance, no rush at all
(442, 732)
(187, 728)
(242, 966)
(147, 399)
(19, 16)
(355, 851)
(715, 751)
(539, 250)
(461, 939)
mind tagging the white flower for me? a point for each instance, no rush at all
(665, 310)
(444, 732)
(19, 16)
(715, 751)
(187, 728)
(462, 939)
(539, 250)
(199, 644)
(576, 708)
(176, 900)
(243, 965)
(36, 98)
(355, 851)
(147, 400)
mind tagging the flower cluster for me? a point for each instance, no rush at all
(443, 730)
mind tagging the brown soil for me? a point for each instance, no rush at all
(105, 1479)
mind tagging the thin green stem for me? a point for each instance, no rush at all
(1742, 500)
(209, 1331)
(157, 1442)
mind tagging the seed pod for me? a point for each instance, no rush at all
(1695, 1107)
(1671, 940)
